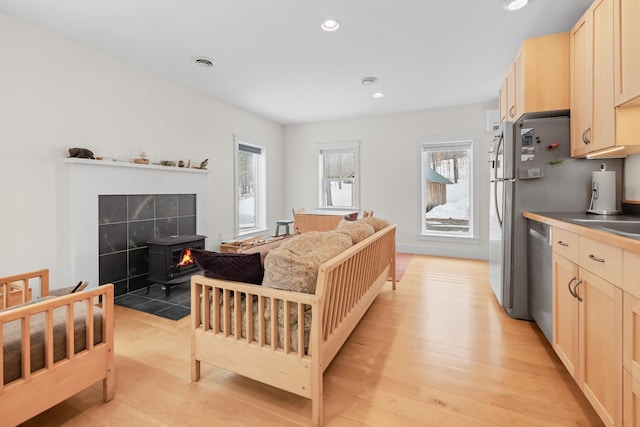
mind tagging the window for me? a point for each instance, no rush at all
(250, 189)
(448, 182)
(339, 175)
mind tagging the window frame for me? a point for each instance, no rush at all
(261, 188)
(442, 143)
(337, 147)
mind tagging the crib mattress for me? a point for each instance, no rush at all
(12, 338)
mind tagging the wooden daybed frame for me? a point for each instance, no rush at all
(346, 286)
(35, 392)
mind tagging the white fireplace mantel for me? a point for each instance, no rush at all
(89, 179)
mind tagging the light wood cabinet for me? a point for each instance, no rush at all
(592, 99)
(597, 128)
(503, 101)
(631, 338)
(565, 314)
(600, 363)
(538, 79)
(626, 48)
(587, 319)
(631, 400)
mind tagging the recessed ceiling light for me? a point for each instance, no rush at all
(514, 4)
(330, 25)
(203, 61)
(368, 81)
(378, 95)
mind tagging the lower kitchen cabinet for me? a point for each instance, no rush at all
(631, 400)
(631, 360)
(588, 330)
(600, 363)
(565, 314)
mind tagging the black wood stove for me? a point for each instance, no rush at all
(171, 261)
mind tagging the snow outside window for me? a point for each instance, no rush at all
(338, 166)
(250, 190)
(447, 188)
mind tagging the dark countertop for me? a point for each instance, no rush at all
(574, 221)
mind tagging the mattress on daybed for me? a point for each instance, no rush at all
(12, 338)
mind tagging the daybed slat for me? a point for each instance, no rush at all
(1, 361)
(261, 321)
(286, 340)
(237, 316)
(250, 325)
(89, 327)
(26, 347)
(226, 307)
(48, 339)
(207, 309)
(70, 333)
(274, 324)
(301, 308)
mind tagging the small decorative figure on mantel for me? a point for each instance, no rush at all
(180, 164)
(81, 153)
(204, 164)
(189, 163)
(142, 159)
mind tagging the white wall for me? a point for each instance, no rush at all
(632, 178)
(56, 94)
(388, 165)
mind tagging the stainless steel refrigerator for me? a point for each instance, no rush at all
(531, 170)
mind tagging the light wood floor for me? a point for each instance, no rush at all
(438, 351)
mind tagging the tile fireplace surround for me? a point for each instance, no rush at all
(90, 179)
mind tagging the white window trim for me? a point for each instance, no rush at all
(447, 142)
(261, 227)
(343, 145)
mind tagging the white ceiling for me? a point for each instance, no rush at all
(275, 61)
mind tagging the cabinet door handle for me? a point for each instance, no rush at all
(569, 286)
(584, 137)
(561, 243)
(575, 290)
(511, 111)
(588, 136)
(595, 258)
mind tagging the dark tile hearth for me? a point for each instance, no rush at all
(176, 307)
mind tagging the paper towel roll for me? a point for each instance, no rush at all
(603, 186)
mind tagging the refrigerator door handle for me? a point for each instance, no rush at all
(495, 201)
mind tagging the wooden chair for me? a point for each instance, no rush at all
(367, 213)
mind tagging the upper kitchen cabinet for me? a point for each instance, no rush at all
(538, 79)
(592, 101)
(626, 47)
(598, 129)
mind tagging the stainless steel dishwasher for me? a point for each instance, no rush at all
(539, 274)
